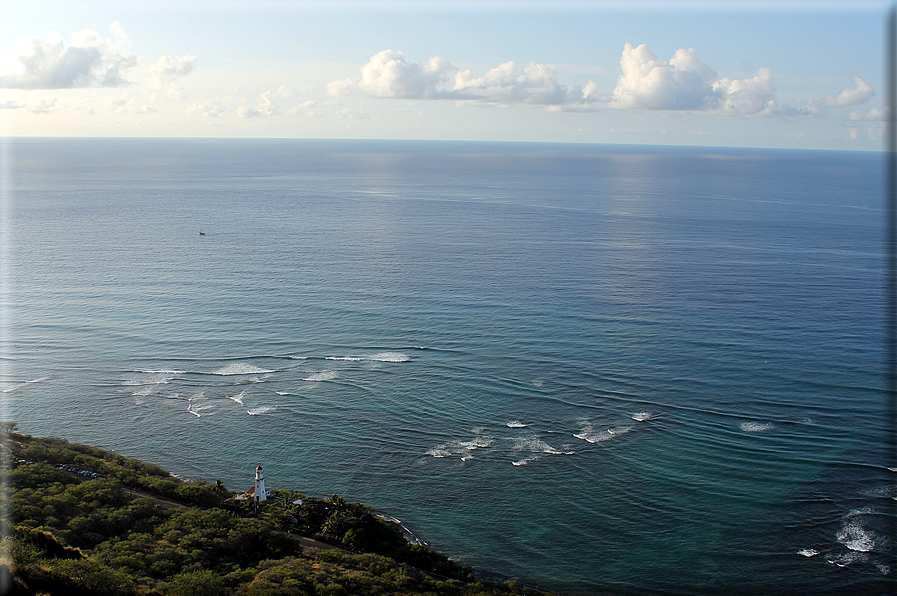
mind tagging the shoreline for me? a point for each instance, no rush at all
(332, 530)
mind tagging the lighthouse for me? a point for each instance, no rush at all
(260, 492)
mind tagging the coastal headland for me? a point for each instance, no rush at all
(82, 520)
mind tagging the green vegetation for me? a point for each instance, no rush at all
(88, 521)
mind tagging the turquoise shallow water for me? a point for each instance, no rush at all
(604, 369)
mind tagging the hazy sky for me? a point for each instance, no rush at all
(763, 74)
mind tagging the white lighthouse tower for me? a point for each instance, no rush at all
(260, 493)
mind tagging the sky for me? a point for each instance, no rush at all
(789, 74)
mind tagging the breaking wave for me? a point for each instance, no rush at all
(261, 410)
(240, 368)
(391, 357)
(756, 427)
(327, 375)
(516, 424)
(853, 533)
(462, 448)
(591, 435)
(379, 357)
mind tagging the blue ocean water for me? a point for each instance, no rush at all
(604, 369)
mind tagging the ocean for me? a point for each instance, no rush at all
(603, 369)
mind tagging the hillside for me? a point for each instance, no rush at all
(84, 520)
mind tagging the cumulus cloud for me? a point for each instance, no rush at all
(267, 105)
(169, 68)
(873, 115)
(509, 83)
(211, 107)
(685, 82)
(89, 60)
(388, 74)
(861, 93)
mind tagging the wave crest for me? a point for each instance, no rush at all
(240, 368)
(327, 375)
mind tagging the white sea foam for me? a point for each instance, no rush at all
(144, 391)
(853, 533)
(327, 375)
(881, 491)
(463, 448)
(282, 392)
(156, 378)
(249, 380)
(642, 416)
(538, 383)
(516, 424)
(536, 449)
(344, 358)
(756, 427)
(477, 443)
(590, 435)
(238, 397)
(163, 372)
(240, 368)
(261, 410)
(883, 569)
(808, 552)
(845, 559)
(298, 357)
(535, 445)
(391, 357)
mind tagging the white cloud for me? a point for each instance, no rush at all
(748, 96)
(870, 116)
(267, 105)
(347, 114)
(211, 107)
(850, 97)
(388, 74)
(44, 106)
(169, 68)
(11, 105)
(685, 82)
(509, 83)
(90, 60)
